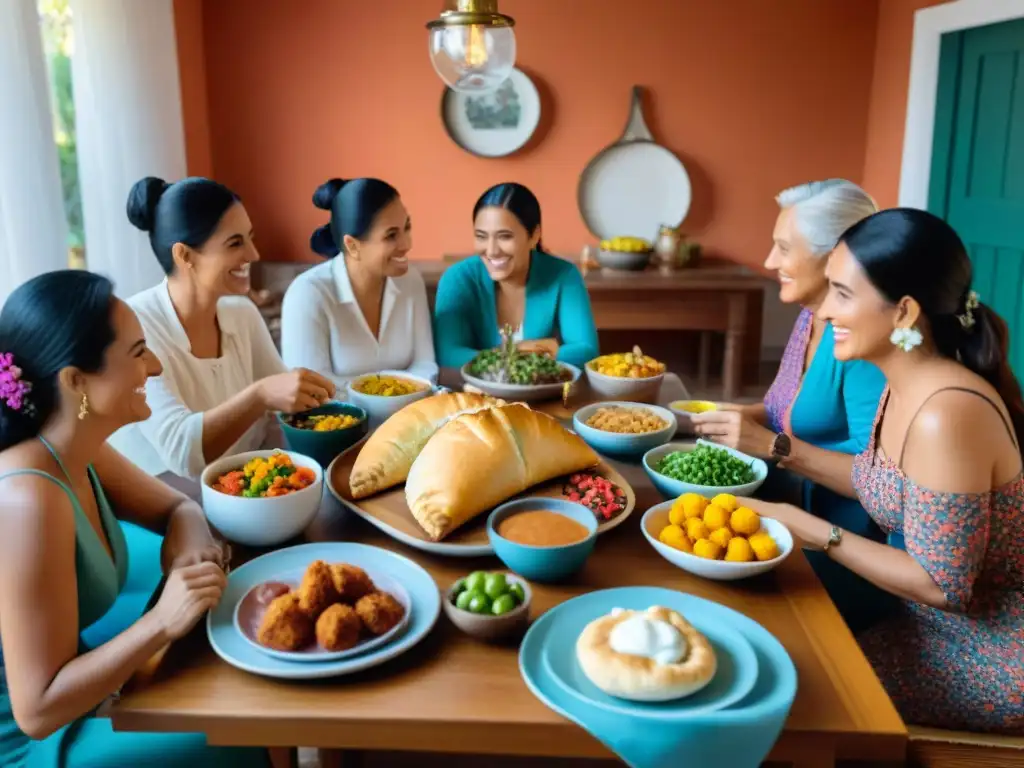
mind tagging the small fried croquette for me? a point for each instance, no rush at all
(379, 612)
(285, 626)
(338, 628)
(317, 591)
(351, 582)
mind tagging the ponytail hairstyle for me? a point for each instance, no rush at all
(517, 200)
(909, 252)
(354, 206)
(54, 321)
(187, 211)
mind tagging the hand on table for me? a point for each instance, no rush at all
(731, 427)
(190, 592)
(809, 532)
(547, 347)
(295, 391)
(187, 554)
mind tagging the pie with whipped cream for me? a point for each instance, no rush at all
(652, 655)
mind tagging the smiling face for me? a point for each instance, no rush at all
(862, 318)
(384, 252)
(800, 273)
(503, 243)
(221, 265)
(116, 392)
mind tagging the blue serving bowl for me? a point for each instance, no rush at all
(671, 488)
(324, 446)
(543, 564)
(619, 444)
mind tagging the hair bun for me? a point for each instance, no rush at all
(322, 242)
(142, 202)
(324, 196)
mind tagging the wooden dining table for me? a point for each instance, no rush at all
(453, 696)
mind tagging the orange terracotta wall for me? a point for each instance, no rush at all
(753, 95)
(888, 111)
(188, 23)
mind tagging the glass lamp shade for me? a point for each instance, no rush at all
(473, 58)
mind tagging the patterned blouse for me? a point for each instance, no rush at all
(782, 394)
(961, 668)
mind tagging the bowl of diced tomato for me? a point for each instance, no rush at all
(262, 498)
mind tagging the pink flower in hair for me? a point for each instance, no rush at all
(13, 389)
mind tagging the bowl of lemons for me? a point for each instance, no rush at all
(716, 538)
(625, 253)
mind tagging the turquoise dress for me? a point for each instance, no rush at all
(831, 405)
(110, 598)
(557, 306)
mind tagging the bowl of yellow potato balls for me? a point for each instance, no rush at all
(630, 376)
(716, 538)
(387, 392)
(629, 254)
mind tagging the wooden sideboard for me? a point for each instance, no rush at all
(713, 298)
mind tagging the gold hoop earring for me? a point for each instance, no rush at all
(83, 408)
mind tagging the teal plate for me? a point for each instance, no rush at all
(228, 643)
(734, 678)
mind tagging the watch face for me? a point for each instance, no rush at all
(782, 446)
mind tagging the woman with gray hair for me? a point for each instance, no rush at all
(818, 413)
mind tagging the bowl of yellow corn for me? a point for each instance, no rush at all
(717, 537)
(631, 376)
(322, 433)
(625, 253)
(387, 392)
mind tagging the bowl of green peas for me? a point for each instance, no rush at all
(704, 468)
(490, 606)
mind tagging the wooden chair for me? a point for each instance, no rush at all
(934, 748)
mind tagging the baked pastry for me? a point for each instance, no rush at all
(478, 460)
(652, 655)
(389, 453)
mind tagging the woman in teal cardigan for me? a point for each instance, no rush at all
(512, 282)
(819, 412)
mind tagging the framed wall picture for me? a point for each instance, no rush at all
(493, 124)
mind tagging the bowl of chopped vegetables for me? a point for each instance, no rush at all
(262, 498)
(385, 393)
(704, 468)
(519, 376)
(628, 376)
(322, 433)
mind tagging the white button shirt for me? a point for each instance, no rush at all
(171, 439)
(323, 329)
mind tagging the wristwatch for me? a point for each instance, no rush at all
(781, 447)
(835, 536)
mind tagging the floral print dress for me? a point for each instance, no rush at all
(961, 668)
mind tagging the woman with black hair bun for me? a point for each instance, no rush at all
(941, 475)
(364, 310)
(73, 367)
(512, 282)
(222, 372)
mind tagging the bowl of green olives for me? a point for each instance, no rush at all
(490, 606)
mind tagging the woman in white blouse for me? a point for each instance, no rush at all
(365, 311)
(221, 373)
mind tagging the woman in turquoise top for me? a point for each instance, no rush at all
(512, 282)
(818, 413)
(73, 366)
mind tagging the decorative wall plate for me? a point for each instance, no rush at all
(494, 124)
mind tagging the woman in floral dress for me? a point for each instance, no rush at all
(941, 475)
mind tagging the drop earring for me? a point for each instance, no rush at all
(906, 338)
(83, 408)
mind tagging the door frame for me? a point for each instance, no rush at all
(930, 24)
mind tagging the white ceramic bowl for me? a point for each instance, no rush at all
(623, 388)
(656, 518)
(671, 488)
(619, 444)
(261, 522)
(631, 261)
(379, 407)
(527, 393)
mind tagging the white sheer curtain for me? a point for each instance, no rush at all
(129, 125)
(33, 228)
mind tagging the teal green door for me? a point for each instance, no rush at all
(977, 175)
